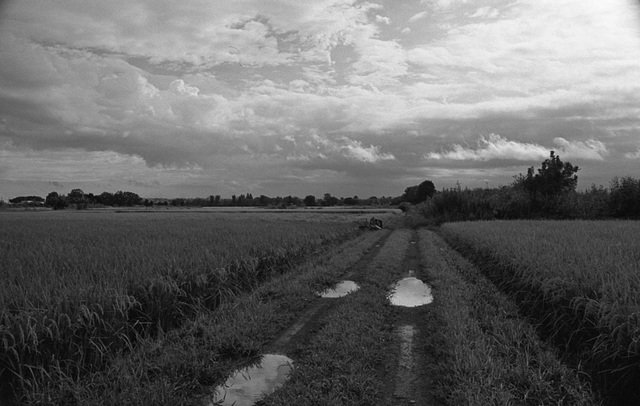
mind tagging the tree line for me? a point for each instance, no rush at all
(78, 199)
(550, 192)
(248, 200)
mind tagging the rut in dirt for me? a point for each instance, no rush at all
(413, 382)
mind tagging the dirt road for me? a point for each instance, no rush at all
(467, 346)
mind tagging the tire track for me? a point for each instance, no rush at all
(414, 381)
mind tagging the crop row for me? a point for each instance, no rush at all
(81, 288)
(580, 279)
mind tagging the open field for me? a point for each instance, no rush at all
(221, 289)
(79, 287)
(580, 279)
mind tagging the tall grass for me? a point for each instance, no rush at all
(580, 279)
(80, 287)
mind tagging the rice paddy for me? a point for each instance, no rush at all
(79, 288)
(580, 279)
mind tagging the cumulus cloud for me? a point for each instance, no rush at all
(498, 147)
(381, 19)
(371, 154)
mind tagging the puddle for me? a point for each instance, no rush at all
(249, 385)
(410, 292)
(342, 289)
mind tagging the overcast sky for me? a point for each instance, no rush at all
(199, 97)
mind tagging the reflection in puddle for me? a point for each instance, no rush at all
(250, 384)
(342, 289)
(410, 292)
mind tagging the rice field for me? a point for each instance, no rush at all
(580, 279)
(79, 287)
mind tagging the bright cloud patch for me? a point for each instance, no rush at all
(371, 154)
(497, 147)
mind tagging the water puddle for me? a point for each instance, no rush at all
(410, 292)
(341, 289)
(249, 385)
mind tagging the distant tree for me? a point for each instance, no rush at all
(121, 198)
(425, 190)
(56, 201)
(624, 200)
(351, 201)
(553, 178)
(22, 199)
(310, 200)
(330, 200)
(264, 200)
(76, 197)
(419, 193)
(105, 198)
(410, 195)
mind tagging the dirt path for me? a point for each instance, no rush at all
(407, 369)
(296, 337)
(413, 384)
(469, 346)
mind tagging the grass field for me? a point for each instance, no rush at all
(79, 287)
(580, 279)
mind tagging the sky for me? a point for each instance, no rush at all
(193, 98)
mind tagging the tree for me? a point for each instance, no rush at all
(56, 201)
(553, 178)
(310, 200)
(22, 199)
(420, 193)
(76, 196)
(330, 200)
(426, 190)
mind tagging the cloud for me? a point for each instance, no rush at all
(590, 149)
(493, 147)
(418, 16)
(371, 154)
(633, 155)
(273, 83)
(498, 147)
(381, 19)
